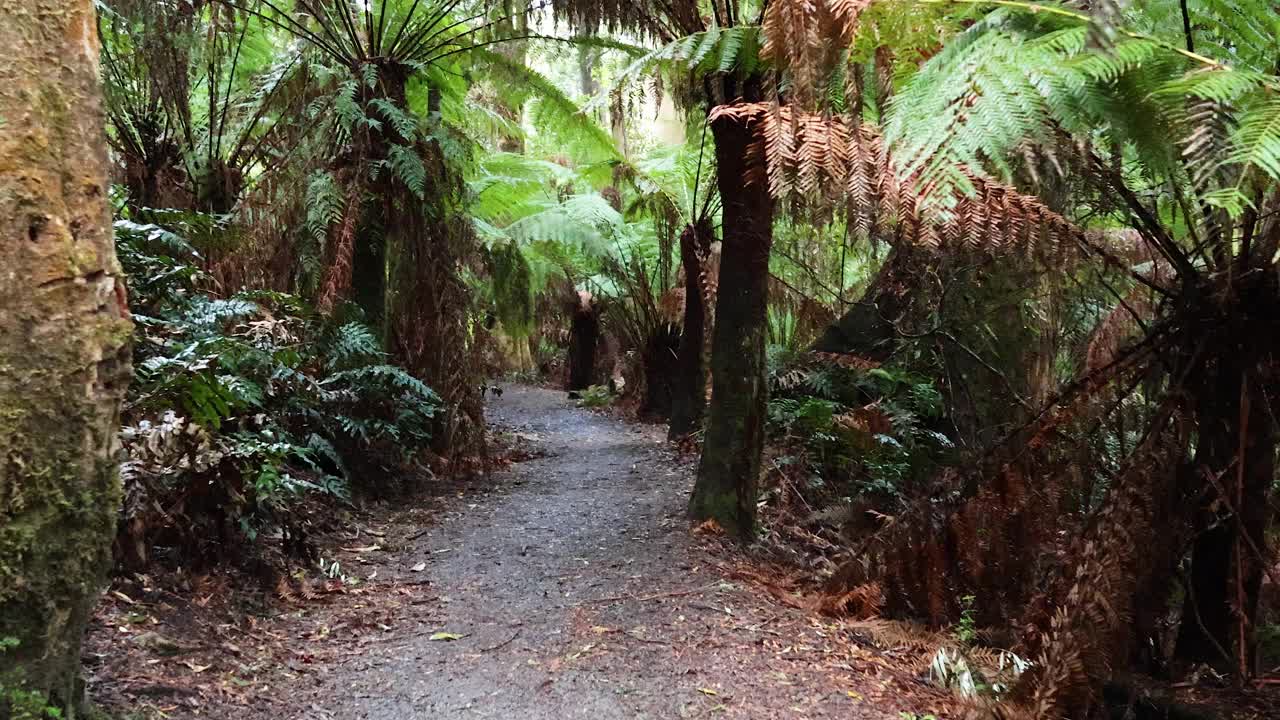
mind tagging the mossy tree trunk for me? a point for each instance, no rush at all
(727, 475)
(64, 350)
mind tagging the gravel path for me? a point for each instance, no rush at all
(577, 591)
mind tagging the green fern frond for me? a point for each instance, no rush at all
(586, 222)
(735, 49)
(325, 204)
(506, 186)
(350, 345)
(554, 112)
(407, 167)
(1256, 140)
(406, 125)
(346, 107)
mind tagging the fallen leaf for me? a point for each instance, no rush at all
(196, 668)
(709, 527)
(446, 636)
(419, 567)
(707, 691)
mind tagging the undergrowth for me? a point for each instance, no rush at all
(247, 408)
(854, 433)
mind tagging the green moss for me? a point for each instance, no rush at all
(114, 333)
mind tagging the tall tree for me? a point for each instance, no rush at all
(64, 350)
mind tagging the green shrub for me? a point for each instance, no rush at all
(595, 396)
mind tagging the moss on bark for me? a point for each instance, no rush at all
(64, 353)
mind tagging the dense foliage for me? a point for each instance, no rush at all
(997, 282)
(246, 406)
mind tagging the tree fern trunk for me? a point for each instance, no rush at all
(689, 393)
(866, 328)
(64, 351)
(1207, 632)
(661, 361)
(727, 475)
(584, 336)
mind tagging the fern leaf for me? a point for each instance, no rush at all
(1256, 141)
(407, 167)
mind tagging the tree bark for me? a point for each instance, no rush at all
(866, 328)
(64, 350)
(1223, 565)
(689, 391)
(725, 490)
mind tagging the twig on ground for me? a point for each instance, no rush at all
(504, 643)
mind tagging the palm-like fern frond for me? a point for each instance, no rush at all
(553, 112)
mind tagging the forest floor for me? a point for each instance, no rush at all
(566, 585)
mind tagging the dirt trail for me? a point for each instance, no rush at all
(578, 592)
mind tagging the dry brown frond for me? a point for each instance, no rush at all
(863, 602)
(803, 154)
(665, 20)
(338, 278)
(284, 590)
(804, 38)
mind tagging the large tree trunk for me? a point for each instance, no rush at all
(689, 390)
(727, 475)
(64, 349)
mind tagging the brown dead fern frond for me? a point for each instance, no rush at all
(284, 591)
(1082, 621)
(827, 160)
(862, 602)
(804, 39)
(338, 278)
